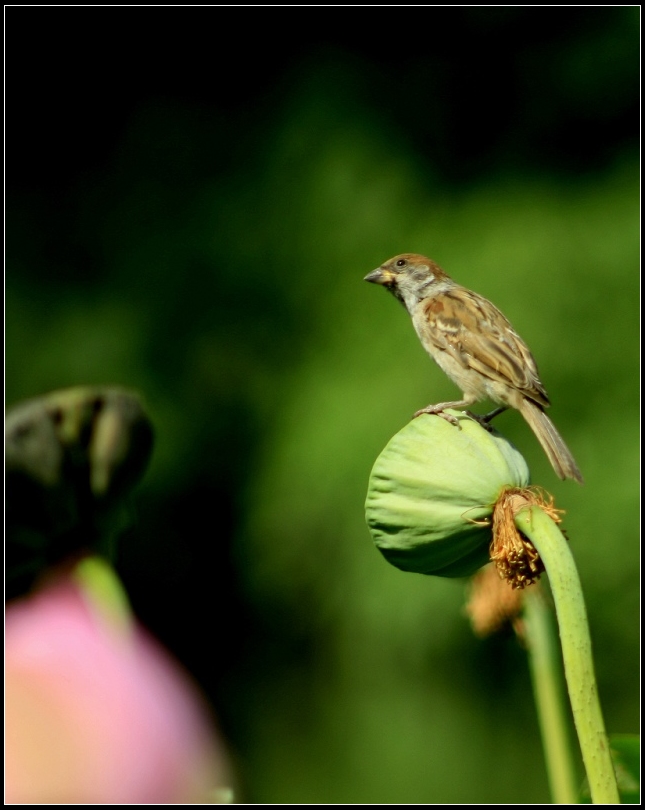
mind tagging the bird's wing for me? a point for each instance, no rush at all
(479, 336)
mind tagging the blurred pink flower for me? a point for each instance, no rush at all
(97, 712)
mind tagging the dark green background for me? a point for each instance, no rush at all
(193, 198)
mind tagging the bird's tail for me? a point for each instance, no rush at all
(552, 443)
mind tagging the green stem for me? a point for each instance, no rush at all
(105, 593)
(546, 674)
(576, 650)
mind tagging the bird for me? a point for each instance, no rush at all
(477, 347)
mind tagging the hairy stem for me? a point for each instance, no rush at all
(576, 650)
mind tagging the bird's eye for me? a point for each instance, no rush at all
(401, 263)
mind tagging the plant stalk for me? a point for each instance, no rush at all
(576, 650)
(546, 674)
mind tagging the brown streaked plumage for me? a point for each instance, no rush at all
(476, 346)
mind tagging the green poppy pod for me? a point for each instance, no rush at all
(432, 491)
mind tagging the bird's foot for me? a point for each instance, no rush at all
(484, 420)
(439, 410)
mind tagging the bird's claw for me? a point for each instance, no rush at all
(434, 410)
(482, 421)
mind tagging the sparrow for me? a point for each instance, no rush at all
(476, 346)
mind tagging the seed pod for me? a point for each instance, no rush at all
(431, 494)
(71, 459)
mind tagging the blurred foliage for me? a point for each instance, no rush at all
(197, 227)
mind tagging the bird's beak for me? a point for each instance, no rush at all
(379, 276)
